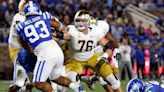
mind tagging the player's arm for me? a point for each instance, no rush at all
(112, 39)
(24, 44)
(61, 35)
(56, 24)
(114, 42)
(108, 48)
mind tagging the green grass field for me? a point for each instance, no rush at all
(4, 85)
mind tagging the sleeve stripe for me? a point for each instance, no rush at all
(48, 15)
(17, 28)
(20, 26)
(51, 17)
(44, 16)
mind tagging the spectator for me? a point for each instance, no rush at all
(3, 26)
(150, 4)
(148, 31)
(117, 31)
(130, 29)
(125, 51)
(139, 59)
(153, 38)
(108, 16)
(161, 37)
(160, 3)
(160, 22)
(9, 14)
(3, 6)
(67, 20)
(155, 59)
(140, 26)
(147, 58)
(119, 6)
(143, 5)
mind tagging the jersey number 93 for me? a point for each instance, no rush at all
(33, 34)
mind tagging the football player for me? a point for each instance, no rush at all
(19, 75)
(35, 36)
(82, 41)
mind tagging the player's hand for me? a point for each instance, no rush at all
(118, 56)
(103, 57)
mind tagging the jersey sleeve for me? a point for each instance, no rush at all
(99, 34)
(18, 28)
(71, 30)
(104, 26)
(17, 18)
(47, 15)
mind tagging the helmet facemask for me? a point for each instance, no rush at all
(81, 20)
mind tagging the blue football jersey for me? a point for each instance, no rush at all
(150, 87)
(26, 60)
(35, 29)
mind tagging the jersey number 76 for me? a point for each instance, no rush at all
(88, 44)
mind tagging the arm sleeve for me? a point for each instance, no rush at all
(18, 28)
(100, 34)
(71, 30)
(104, 26)
(47, 15)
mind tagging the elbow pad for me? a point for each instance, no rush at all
(109, 45)
(59, 34)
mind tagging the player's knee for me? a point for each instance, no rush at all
(105, 70)
(115, 71)
(113, 81)
(20, 83)
(102, 81)
(72, 76)
(116, 85)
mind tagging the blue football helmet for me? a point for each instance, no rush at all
(31, 8)
(135, 85)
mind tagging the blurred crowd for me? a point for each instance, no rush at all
(144, 44)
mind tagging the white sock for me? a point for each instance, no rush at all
(74, 86)
(72, 76)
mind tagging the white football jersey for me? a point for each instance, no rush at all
(13, 34)
(104, 26)
(81, 46)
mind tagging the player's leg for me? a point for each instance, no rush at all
(19, 78)
(57, 87)
(73, 70)
(106, 72)
(110, 77)
(129, 66)
(13, 53)
(89, 78)
(61, 80)
(28, 84)
(105, 85)
(114, 66)
(41, 73)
